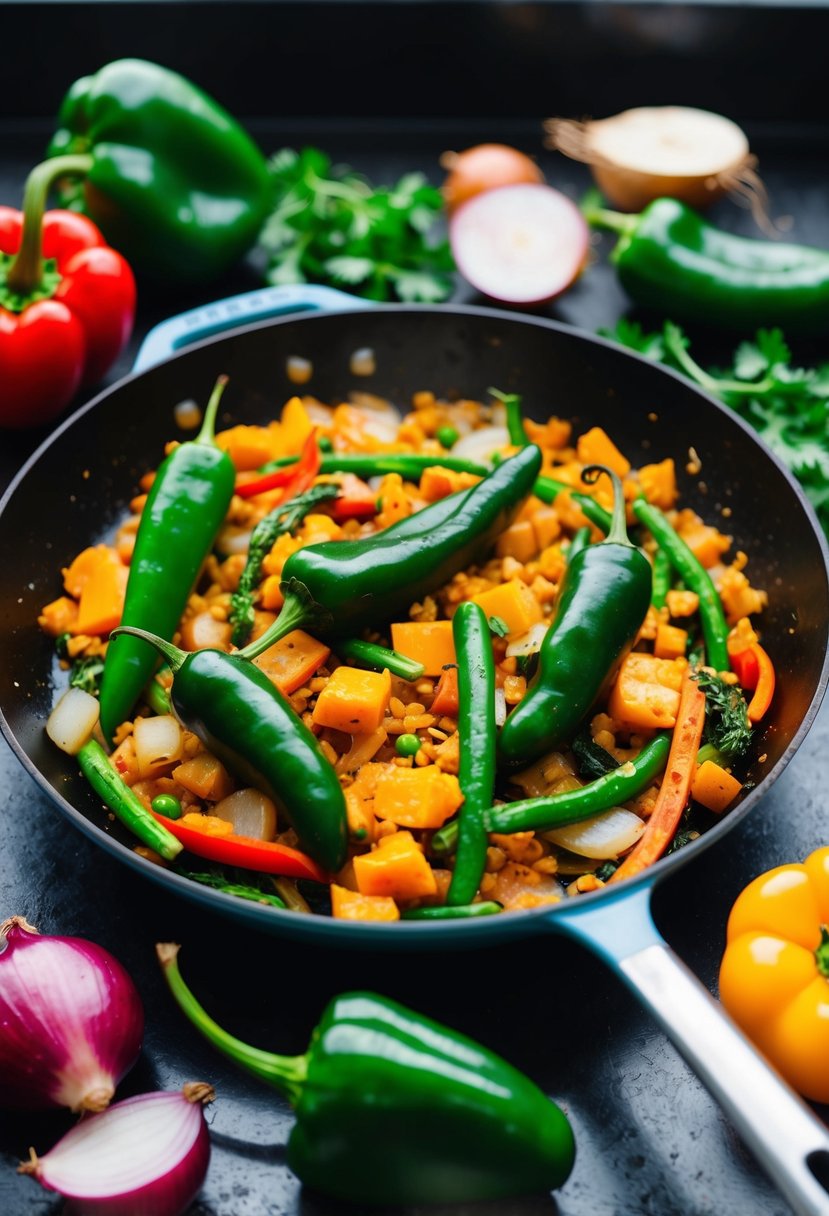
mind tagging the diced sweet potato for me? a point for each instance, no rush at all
(396, 867)
(596, 447)
(353, 701)
(514, 603)
(645, 695)
(292, 660)
(417, 797)
(351, 905)
(713, 787)
(205, 776)
(426, 642)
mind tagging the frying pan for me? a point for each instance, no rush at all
(76, 487)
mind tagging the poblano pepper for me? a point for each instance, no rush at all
(185, 508)
(602, 603)
(392, 1107)
(336, 588)
(172, 180)
(243, 719)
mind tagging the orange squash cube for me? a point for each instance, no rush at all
(426, 642)
(351, 905)
(514, 603)
(645, 694)
(354, 701)
(102, 594)
(417, 797)
(670, 641)
(292, 660)
(713, 787)
(596, 447)
(397, 868)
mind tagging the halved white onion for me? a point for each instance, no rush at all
(158, 742)
(251, 812)
(232, 539)
(529, 642)
(603, 836)
(500, 707)
(72, 721)
(480, 445)
(653, 151)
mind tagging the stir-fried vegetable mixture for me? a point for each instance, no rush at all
(441, 665)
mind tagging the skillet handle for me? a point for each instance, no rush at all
(788, 1140)
(174, 334)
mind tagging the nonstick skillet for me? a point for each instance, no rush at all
(76, 487)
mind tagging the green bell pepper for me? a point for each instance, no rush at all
(172, 180)
(392, 1107)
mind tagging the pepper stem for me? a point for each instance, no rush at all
(285, 1073)
(618, 533)
(207, 434)
(601, 217)
(174, 656)
(822, 952)
(299, 610)
(515, 419)
(25, 275)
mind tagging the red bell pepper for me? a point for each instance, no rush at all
(755, 671)
(293, 478)
(67, 304)
(356, 500)
(244, 851)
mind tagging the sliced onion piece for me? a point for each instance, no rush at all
(146, 1154)
(72, 721)
(654, 151)
(529, 642)
(520, 244)
(603, 836)
(232, 539)
(500, 707)
(250, 811)
(158, 742)
(481, 445)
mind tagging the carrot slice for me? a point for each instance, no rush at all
(676, 784)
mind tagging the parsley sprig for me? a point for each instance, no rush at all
(788, 406)
(331, 225)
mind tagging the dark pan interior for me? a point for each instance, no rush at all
(78, 486)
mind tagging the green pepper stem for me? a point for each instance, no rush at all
(207, 434)
(613, 221)
(298, 610)
(125, 805)
(515, 419)
(618, 533)
(285, 1073)
(379, 658)
(25, 274)
(174, 656)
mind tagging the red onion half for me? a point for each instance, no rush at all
(145, 1156)
(71, 1021)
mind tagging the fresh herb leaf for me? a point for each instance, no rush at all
(788, 406)
(86, 674)
(606, 870)
(331, 225)
(242, 890)
(498, 626)
(726, 714)
(593, 760)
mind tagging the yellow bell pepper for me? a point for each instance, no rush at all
(774, 976)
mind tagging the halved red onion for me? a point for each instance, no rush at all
(145, 1156)
(71, 1021)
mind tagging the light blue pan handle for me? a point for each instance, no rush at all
(779, 1128)
(188, 327)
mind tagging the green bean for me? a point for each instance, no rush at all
(515, 420)
(125, 805)
(661, 578)
(486, 907)
(409, 465)
(476, 731)
(369, 654)
(697, 579)
(557, 810)
(581, 539)
(548, 490)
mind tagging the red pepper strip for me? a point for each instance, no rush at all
(446, 694)
(356, 500)
(295, 478)
(764, 688)
(676, 784)
(746, 667)
(245, 852)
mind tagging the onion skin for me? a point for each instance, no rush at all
(71, 1021)
(170, 1192)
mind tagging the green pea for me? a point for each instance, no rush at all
(167, 805)
(325, 444)
(407, 745)
(447, 436)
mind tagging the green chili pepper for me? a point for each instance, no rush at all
(172, 180)
(484, 907)
(409, 465)
(339, 586)
(124, 804)
(669, 259)
(185, 508)
(661, 578)
(602, 603)
(571, 806)
(476, 729)
(697, 579)
(391, 1107)
(282, 521)
(243, 719)
(379, 658)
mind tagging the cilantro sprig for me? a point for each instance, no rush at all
(788, 406)
(331, 225)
